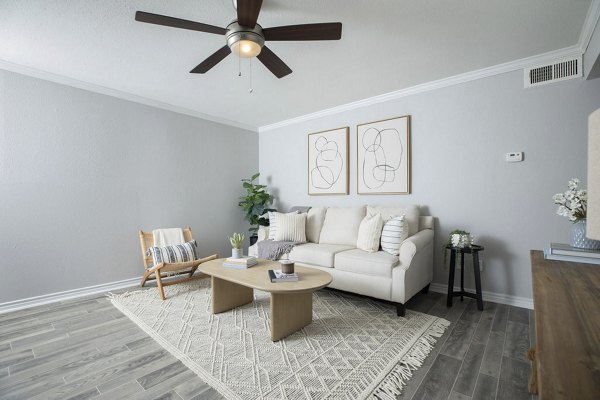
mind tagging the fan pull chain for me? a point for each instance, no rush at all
(251, 90)
(239, 66)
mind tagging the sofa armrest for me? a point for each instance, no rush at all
(414, 244)
(415, 270)
(263, 233)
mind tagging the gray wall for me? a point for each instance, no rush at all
(81, 173)
(459, 137)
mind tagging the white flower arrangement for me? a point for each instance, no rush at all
(459, 239)
(572, 204)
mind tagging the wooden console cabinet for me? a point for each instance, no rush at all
(566, 298)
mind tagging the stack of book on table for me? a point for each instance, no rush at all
(242, 263)
(277, 276)
(564, 252)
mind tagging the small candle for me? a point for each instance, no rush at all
(287, 266)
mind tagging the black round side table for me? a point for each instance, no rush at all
(474, 250)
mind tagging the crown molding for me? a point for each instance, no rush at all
(64, 80)
(591, 20)
(571, 51)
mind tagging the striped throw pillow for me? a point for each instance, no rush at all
(393, 234)
(291, 227)
(173, 254)
(369, 233)
(273, 223)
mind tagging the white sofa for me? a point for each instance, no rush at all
(331, 246)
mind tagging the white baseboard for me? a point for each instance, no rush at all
(516, 301)
(66, 295)
(107, 287)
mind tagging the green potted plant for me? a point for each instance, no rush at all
(255, 204)
(237, 241)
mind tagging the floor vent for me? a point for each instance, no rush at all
(554, 72)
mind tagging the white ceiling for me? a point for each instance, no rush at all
(386, 45)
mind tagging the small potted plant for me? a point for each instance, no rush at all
(458, 239)
(237, 241)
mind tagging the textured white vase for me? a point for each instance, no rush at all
(237, 253)
(579, 238)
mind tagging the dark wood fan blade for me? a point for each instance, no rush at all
(273, 63)
(324, 31)
(157, 19)
(247, 11)
(211, 61)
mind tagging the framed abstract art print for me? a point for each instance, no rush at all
(328, 162)
(383, 156)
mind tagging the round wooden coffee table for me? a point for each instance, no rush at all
(291, 302)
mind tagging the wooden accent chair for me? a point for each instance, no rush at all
(164, 270)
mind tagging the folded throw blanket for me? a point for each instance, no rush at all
(167, 237)
(273, 250)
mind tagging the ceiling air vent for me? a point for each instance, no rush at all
(553, 72)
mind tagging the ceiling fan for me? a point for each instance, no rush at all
(246, 38)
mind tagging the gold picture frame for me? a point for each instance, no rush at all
(383, 157)
(328, 170)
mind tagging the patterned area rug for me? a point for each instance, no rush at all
(356, 348)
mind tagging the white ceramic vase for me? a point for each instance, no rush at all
(237, 253)
(579, 238)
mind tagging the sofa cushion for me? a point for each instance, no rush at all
(291, 227)
(369, 233)
(314, 223)
(273, 222)
(321, 255)
(341, 225)
(410, 212)
(361, 262)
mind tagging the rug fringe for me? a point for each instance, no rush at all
(397, 378)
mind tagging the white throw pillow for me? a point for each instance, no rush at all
(341, 225)
(369, 233)
(273, 223)
(314, 223)
(394, 233)
(291, 227)
(411, 215)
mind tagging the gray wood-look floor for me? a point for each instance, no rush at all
(86, 348)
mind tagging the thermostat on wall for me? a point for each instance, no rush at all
(514, 157)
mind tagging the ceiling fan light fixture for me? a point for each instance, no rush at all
(243, 41)
(246, 48)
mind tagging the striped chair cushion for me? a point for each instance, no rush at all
(173, 254)
(393, 234)
(291, 227)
